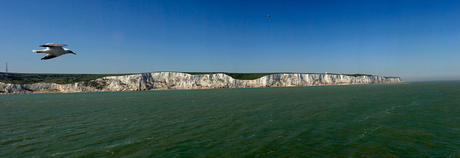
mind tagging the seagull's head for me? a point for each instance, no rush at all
(69, 51)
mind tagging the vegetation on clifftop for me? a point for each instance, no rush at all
(25, 78)
(22, 78)
(253, 76)
(239, 76)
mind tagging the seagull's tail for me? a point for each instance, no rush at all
(38, 51)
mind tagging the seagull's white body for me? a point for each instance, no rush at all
(53, 50)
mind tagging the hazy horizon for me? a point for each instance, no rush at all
(413, 40)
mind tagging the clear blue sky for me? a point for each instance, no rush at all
(415, 40)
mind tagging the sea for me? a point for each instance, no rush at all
(408, 119)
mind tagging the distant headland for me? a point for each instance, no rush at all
(18, 83)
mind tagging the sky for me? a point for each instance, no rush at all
(416, 40)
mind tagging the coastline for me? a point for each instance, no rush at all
(179, 80)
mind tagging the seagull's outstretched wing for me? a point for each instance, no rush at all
(49, 56)
(53, 45)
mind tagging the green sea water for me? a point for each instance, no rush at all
(420, 119)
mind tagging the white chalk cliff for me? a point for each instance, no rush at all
(177, 80)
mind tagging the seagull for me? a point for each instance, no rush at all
(53, 50)
(268, 16)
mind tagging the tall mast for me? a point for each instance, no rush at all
(6, 67)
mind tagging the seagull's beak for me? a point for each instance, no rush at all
(74, 53)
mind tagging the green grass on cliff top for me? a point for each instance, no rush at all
(252, 76)
(26, 78)
(30, 78)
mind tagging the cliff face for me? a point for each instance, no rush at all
(177, 80)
